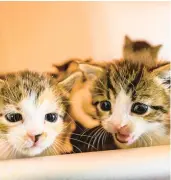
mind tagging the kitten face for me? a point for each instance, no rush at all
(140, 51)
(32, 111)
(132, 103)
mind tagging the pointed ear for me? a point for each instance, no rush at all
(128, 41)
(155, 49)
(162, 72)
(68, 83)
(91, 70)
(68, 66)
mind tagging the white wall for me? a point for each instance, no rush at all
(35, 34)
(143, 20)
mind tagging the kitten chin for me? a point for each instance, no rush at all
(143, 141)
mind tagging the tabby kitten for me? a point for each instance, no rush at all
(33, 110)
(131, 101)
(140, 51)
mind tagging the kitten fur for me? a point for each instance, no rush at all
(66, 68)
(33, 96)
(140, 50)
(81, 89)
(123, 83)
(83, 140)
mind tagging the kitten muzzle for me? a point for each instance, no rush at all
(123, 135)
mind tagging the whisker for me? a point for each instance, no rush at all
(82, 142)
(77, 148)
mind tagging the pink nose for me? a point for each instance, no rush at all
(125, 130)
(34, 138)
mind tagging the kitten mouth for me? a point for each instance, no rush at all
(124, 138)
(33, 145)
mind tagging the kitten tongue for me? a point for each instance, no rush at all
(123, 138)
(124, 135)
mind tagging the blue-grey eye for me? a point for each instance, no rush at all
(51, 117)
(105, 105)
(139, 108)
(13, 117)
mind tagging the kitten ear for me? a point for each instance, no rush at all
(155, 49)
(64, 70)
(91, 70)
(68, 83)
(128, 41)
(68, 67)
(162, 71)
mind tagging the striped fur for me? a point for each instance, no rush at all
(125, 82)
(33, 95)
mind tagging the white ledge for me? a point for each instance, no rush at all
(141, 163)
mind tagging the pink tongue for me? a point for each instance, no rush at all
(124, 138)
(124, 134)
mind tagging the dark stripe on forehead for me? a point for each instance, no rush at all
(109, 83)
(138, 76)
(133, 84)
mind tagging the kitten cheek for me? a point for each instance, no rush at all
(17, 141)
(107, 125)
(17, 136)
(60, 127)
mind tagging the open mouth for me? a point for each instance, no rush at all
(123, 138)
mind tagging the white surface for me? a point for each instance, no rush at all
(134, 164)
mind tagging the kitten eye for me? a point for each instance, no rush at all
(139, 108)
(51, 117)
(105, 105)
(13, 117)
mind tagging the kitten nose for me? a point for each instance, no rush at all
(34, 138)
(125, 130)
(37, 137)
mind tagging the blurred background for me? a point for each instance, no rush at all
(34, 35)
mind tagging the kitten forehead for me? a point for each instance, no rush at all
(136, 80)
(34, 112)
(32, 106)
(16, 86)
(122, 105)
(33, 89)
